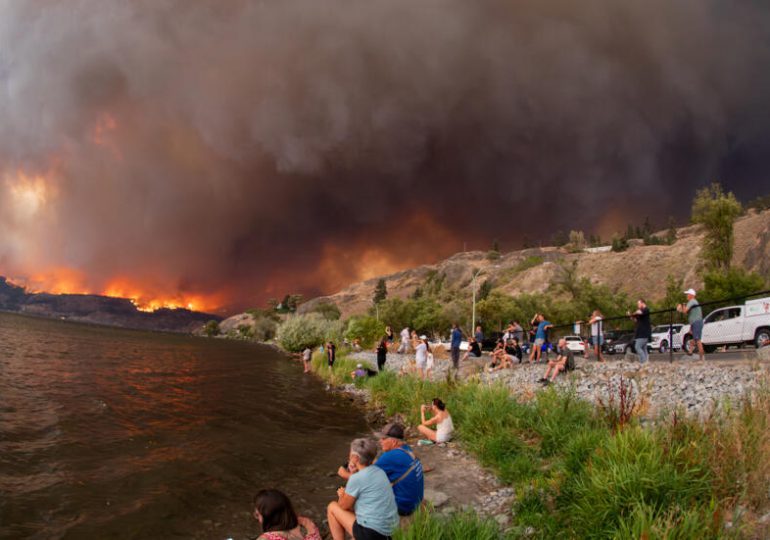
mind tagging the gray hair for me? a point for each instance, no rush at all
(365, 449)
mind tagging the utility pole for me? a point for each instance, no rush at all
(473, 317)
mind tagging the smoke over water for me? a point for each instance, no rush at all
(218, 153)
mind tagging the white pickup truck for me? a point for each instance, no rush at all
(734, 325)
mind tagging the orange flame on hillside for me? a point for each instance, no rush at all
(145, 300)
(148, 299)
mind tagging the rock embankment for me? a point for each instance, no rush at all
(688, 385)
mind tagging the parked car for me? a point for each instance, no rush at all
(490, 341)
(665, 336)
(575, 344)
(622, 345)
(748, 324)
(610, 336)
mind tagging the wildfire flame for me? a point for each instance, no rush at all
(70, 281)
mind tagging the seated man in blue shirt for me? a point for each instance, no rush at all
(403, 468)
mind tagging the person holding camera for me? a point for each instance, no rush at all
(440, 418)
(643, 332)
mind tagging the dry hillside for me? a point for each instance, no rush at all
(639, 271)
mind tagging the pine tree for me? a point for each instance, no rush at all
(380, 291)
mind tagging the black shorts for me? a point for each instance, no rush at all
(363, 533)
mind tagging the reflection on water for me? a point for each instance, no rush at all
(107, 433)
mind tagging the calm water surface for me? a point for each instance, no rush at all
(109, 433)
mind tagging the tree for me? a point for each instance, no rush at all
(310, 330)
(527, 242)
(559, 238)
(567, 279)
(328, 310)
(731, 283)
(380, 291)
(577, 240)
(366, 328)
(619, 243)
(716, 211)
(494, 253)
(485, 289)
(671, 233)
(211, 329)
(674, 294)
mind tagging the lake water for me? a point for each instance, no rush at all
(109, 433)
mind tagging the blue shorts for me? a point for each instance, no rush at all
(696, 328)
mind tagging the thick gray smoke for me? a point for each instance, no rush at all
(228, 146)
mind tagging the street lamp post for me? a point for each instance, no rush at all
(473, 317)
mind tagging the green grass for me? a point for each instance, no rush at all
(575, 477)
(426, 525)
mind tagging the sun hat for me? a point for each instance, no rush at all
(391, 431)
(690, 291)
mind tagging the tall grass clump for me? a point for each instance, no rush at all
(426, 525)
(628, 469)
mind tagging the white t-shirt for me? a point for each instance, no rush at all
(595, 327)
(421, 354)
(405, 334)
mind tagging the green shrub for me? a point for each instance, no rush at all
(211, 329)
(619, 243)
(366, 328)
(327, 309)
(309, 330)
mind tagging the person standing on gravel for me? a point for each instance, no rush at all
(695, 318)
(541, 335)
(454, 346)
(643, 332)
(597, 334)
(403, 348)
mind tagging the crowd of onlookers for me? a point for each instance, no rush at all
(378, 490)
(517, 344)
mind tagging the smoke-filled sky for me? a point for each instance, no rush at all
(222, 152)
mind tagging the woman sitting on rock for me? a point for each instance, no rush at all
(276, 515)
(441, 419)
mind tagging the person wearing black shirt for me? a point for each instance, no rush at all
(382, 353)
(643, 332)
(474, 348)
(513, 349)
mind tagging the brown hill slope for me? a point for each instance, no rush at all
(639, 271)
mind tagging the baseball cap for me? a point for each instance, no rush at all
(690, 291)
(391, 431)
(423, 336)
(360, 366)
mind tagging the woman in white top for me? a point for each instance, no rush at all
(597, 335)
(441, 419)
(421, 355)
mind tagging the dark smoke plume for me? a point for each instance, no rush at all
(256, 147)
